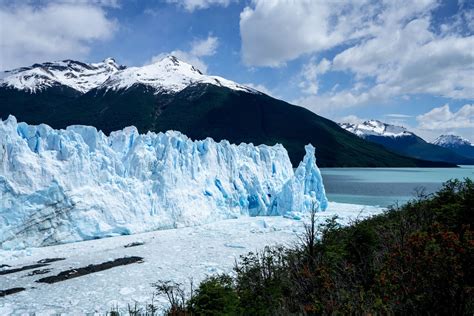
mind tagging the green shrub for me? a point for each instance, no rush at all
(215, 296)
(414, 259)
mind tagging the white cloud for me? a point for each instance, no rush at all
(199, 49)
(329, 104)
(397, 119)
(352, 119)
(413, 60)
(205, 47)
(103, 3)
(62, 30)
(393, 50)
(441, 118)
(274, 32)
(397, 116)
(191, 5)
(396, 54)
(310, 83)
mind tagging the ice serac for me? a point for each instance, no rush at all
(76, 184)
(305, 190)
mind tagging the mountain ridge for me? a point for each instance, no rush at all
(376, 128)
(168, 74)
(402, 141)
(456, 143)
(74, 74)
(199, 106)
(451, 139)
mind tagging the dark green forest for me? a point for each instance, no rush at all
(202, 111)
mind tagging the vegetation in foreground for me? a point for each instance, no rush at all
(414, 259)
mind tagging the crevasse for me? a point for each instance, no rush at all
(60, 186)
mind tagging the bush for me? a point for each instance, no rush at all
(432, 273)
(215, 296)
(414, 259)
(262, 282)
(411, 260)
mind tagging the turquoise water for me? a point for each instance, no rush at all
(386, 186)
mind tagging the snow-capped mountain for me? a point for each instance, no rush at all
(404, 142)
(167, 75)
(376, 128)
(451, 141)
(75, 184)
(74, 74)
(456, 143)
(173, 95)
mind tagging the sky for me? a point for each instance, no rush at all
(406, 62)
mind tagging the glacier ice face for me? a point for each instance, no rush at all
(76, 184)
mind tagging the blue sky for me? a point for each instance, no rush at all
(405, 62)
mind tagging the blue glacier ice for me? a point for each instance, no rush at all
(60, 186)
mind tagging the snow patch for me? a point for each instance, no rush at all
(376, 128)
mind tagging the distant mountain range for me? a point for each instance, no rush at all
(447, 148)
(457, 144)
(173, 95)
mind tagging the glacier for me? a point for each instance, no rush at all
(61, 186)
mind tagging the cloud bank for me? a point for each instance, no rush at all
(441, 118)
(391, 49)
(55, 31)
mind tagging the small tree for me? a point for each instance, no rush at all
(175, 295)
(310, 234)
(215, 296)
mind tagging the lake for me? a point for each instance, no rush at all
(386, 186)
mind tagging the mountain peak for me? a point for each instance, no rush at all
(74, 74)
(173, 63)
(173, 59)
(168, 74)
(450, 140)
(109, 60)
(376, 128)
